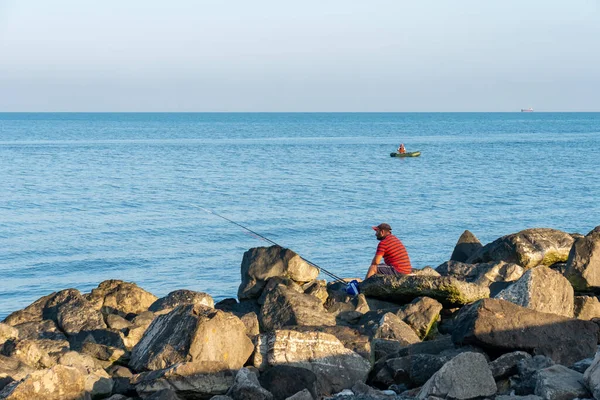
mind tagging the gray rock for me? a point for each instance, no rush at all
(586, 307)
(506, 365)
(541, 289)
(582, 365)
(261, 263)
(528, 248)
(466, 246)
(115, 321)
(284, 381)
(390, 326)
(504, 326)
(123, 298)
(514, 397)
(192, 333)
(591, 377)
(202, 379)
(421, 314)
(583, 264)
(165, 394)
(45, 329)
(482, 273)
(180, 297)
(56, 383)
(246, 387)
(560, 383)
(447, 290)
(352, 339)
(285, 307)
(525, 382)
(424, 366)
(304, 394)
(104, 353)
(73, 313)
(275, 281)
(335, 366)
(466, 376)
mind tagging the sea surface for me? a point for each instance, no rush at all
(90, 197)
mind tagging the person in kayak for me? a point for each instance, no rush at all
(401, 149)
(393, 252)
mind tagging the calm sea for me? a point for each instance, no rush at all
(90, 197)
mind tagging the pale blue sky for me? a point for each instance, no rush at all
(134, 55)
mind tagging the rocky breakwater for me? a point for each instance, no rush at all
(516, 317)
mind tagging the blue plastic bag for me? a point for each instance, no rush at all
(352, 288)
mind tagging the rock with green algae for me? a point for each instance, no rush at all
(449, 291)
(528, 248)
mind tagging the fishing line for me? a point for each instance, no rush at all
(258, 235)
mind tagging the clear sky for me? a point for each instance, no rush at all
(326, 55)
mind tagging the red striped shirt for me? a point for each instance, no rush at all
(394, 253)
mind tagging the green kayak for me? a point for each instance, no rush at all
(411, 154)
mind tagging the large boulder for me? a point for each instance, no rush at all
(33, 312)
(73, 313)
(178, 298)
(336, 367)
(502, 326)
(528, 248)
(560, 383)
(482, 273)
(421, 314)
(261, 263)
(45, 329)
(284, 381)
(123, 298)
(284, 306)
(466, 246)
(586, 307)
(56, 383)
(192, 333)
(194, 380)
(541, 289)
(449, 291)
(391, 327)
(583, 264)
(466, 376)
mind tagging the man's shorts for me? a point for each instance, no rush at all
(389, 270)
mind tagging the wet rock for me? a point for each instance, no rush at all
(197, 379)
(284, 307)
(466, 246)
(560, 383)
(56, 383)
(284, 381)
(246, 387)
(528, 248)
(180, 297)
(447, 290)
(421, 314)
(583, 264)
(336, 367)
(503, 326)
(466, 376)
(119, 297)
(261, 263)
(541, 289)
(586, 307)
(192, 333)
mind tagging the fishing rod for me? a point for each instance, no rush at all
(330, 274)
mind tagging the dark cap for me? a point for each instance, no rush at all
(384, 227)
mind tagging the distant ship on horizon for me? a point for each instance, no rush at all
(527, 109)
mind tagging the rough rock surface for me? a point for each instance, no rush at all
(123, 298)
(583, 264)
(391, 327)
(180, 297)
(7, 332)
(528, 248)
(203, 379)
(541, 289)
(192, 333)
(586, 307)
(56, 383)
(506, 365)
(591, 377)
(284, 307)
(447, 290)
(261, 263)
(45, 329)
(466, 246)
(33, 312)
(284, 381)
(466, 376)
(499, 325)
(13, 368)
(335, 366)
(421, 314)
(560, 383)
(246, 387)
(73, 313)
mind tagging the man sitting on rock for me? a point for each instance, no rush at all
(393, 252)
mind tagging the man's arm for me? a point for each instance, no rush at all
(373, 268)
